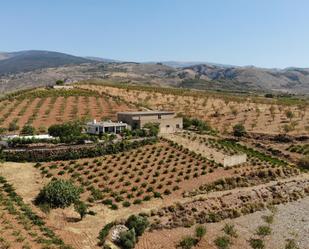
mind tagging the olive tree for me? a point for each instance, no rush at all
(58, 194)
(81, 208)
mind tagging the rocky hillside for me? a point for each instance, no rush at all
(38, 68)
(250, 78)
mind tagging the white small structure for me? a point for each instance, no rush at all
(42, 136)
(97, 128)
(63, 87)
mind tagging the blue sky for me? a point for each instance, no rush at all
(265, 33)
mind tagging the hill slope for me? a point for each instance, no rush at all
(38, 68)
(31, 60)
(247, 78)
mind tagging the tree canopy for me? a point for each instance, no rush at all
(58, 194)
(139, 223)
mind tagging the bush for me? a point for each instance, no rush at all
(222, 242)
(197, 124)
(291, 244)
(153, 129)
(263, 230)
(239, 130)
(127, 239)
(268, 218)
(229, 229)
(256, 243)
(104, 232)
(126, 204)
(70, 129)
(73, 152)
(13, 126)
(28, 130)
(187, 242)
(58, 194)
(59, 82)
(81, 208)
(138, 223)
(200, 231)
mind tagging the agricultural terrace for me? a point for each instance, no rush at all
(44, 107)
(222, 111)
(225, 147)
(20, 226)
(162, 170)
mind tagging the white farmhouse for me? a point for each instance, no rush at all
(97, 128)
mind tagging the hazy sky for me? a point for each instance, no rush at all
(267, 33)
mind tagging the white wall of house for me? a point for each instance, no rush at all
(105, 127)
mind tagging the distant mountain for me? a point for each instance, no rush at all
(177, 64)
(39, 68)
(247, 78)
(34, 59)
(99, 59)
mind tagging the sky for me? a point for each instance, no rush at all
(263, 33)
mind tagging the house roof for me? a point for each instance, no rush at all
(106, 123)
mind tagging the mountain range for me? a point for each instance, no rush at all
(39, 68)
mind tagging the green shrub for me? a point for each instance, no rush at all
(291, 244)
(229, 229)
(200, 231)
(256, 243)
(81, 208)
(127, 239)
(28, 130)
(187, 242)
(263, 230)
(126, 204)
(65, 130)
(104, 232)
(114, 207)
(58, 194)
(222, 242)
(138, 223)
(268, 218)
(239, 130)
(13, 126)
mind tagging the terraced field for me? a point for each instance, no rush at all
(133, 177)
(42, 108)
(177, 181)
(258, 114)
(20, 226)
(163, 170)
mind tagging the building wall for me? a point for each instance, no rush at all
(153, 117)
(97, 128)
(125, 118)
(168, 122)
(166, 125)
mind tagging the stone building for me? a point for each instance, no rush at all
(167, 120)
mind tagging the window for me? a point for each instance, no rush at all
(177, 126)
(159, 116)
(167, 126)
